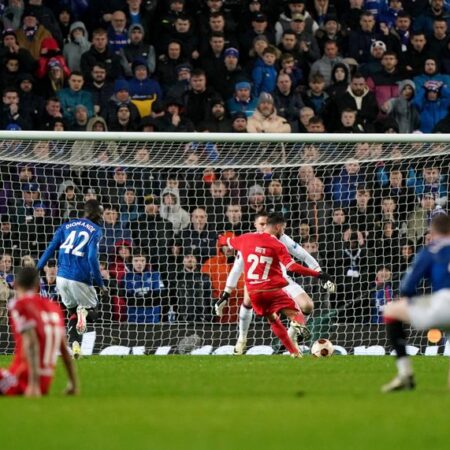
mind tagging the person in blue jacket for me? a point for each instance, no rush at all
(142, 87)
(345, 185)
(432, 102)
(264, 73)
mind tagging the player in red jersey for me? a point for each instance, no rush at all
(263, 255)
(38, 328)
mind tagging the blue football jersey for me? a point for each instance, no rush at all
(431, 263)
(77, 243)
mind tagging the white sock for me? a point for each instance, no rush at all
(245, 319)
(306, 316)
(404, 366)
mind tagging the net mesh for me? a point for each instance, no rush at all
(362, 210)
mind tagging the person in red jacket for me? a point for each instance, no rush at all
(50, 52)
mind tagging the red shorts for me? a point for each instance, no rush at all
(12, 385)
(269, 302)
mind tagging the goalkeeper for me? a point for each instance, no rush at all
(294, 290)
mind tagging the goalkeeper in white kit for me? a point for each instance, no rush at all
(294, 290)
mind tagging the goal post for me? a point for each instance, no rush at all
(361, 204)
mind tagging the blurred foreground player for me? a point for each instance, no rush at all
(37, 325)
(77, 242)
(422, 312)
(264, 255)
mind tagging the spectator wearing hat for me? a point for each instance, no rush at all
(100, 88)
(431, 73)
(33, 104)
(198, 99)
(75, 95)
(330, 32)
(101, 53)
(259, 26)
(325, 64)
(46, 18)
(182, 84)
(360, 41)
(377, 50)
(308, 46)
(50, 51)
(217, 122)
(121, 96)
(11, 47)
(54, 80)
(137, 48)
(97, 123)
(416, 55)
(168, 63)
(265, 119)
(243, 100)
(340, 77)
(239, 122)
(432, 102)
(294, 8)
(144, 91)
(12, 115)
(287, 101)
(123, 120)
(31, 34)
(77, 44)
(402, 110)
(173, 119)
(264, 74)
(384, 84)
(231, 73)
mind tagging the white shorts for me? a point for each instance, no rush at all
(431, 311)
(293, 289)
(74, 293)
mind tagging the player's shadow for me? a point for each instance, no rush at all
(300, 393)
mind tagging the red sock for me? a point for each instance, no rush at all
(300, 318)
(281, 333)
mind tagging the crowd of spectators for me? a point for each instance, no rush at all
(363, 221)
(225, 65)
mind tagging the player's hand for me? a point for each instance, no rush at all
(221, 303)
(33, 391)
(327, 283)
(71, 389)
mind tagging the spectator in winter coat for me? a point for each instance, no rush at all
(432, 102)
(11, 47)
(331, 32)
(437, 9)
(308, 47)
(265, 119)
(50, 51)
(293, 10)
(137, 48)
(340, 77)
(101, 89)
(12, 116)
(325, 64)
(144, 90)
(46, 18)
(431, 72)
(218, 122)
(12, 14)
(231, 73)
(360, 41)
(113, 230)
(75, 95)
(173, 120)
(344, 185)
(117, 32)
(287, 102)
(288, 67)
(373, 66)
(264, 74)
(121, 96)
(316, 97)
(438, 41)
(243, 100)
(169, 61)
(31, 34)
(77, 45)
(123, 120)
(416, 55)
(172, 211)
(401, 108)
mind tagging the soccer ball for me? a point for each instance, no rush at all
(322, 348)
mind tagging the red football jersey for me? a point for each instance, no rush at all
(46, 317)
(263, 255)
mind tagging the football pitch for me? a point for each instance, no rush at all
(239, 403)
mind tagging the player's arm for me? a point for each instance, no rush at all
(231, 283)
(419, 270)
(94, 262)
(300, 253)
(53, 246)
(72, 385)
(31, 352)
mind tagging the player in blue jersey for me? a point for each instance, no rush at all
(77, 243)
(432, 263)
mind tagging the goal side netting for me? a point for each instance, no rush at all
(361, 208)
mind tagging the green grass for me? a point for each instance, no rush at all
(239, 403)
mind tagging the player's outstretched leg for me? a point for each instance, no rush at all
(298, 328)
(74, 337)
(281, 333)
(245, 319)
(395, 315)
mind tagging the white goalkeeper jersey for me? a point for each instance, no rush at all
(293, 248)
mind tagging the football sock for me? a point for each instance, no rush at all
(281, 333)
(72, 329)
(92, 315)
(245, 319)
(396, 335)
(306, 316)
(404, 366)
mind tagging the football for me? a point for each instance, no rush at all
(322, 348)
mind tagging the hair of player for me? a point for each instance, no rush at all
(261, 214)
(275, 219)
(441, 224)
(93, 210)
(27, 278)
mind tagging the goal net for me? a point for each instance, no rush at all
(362, 209)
